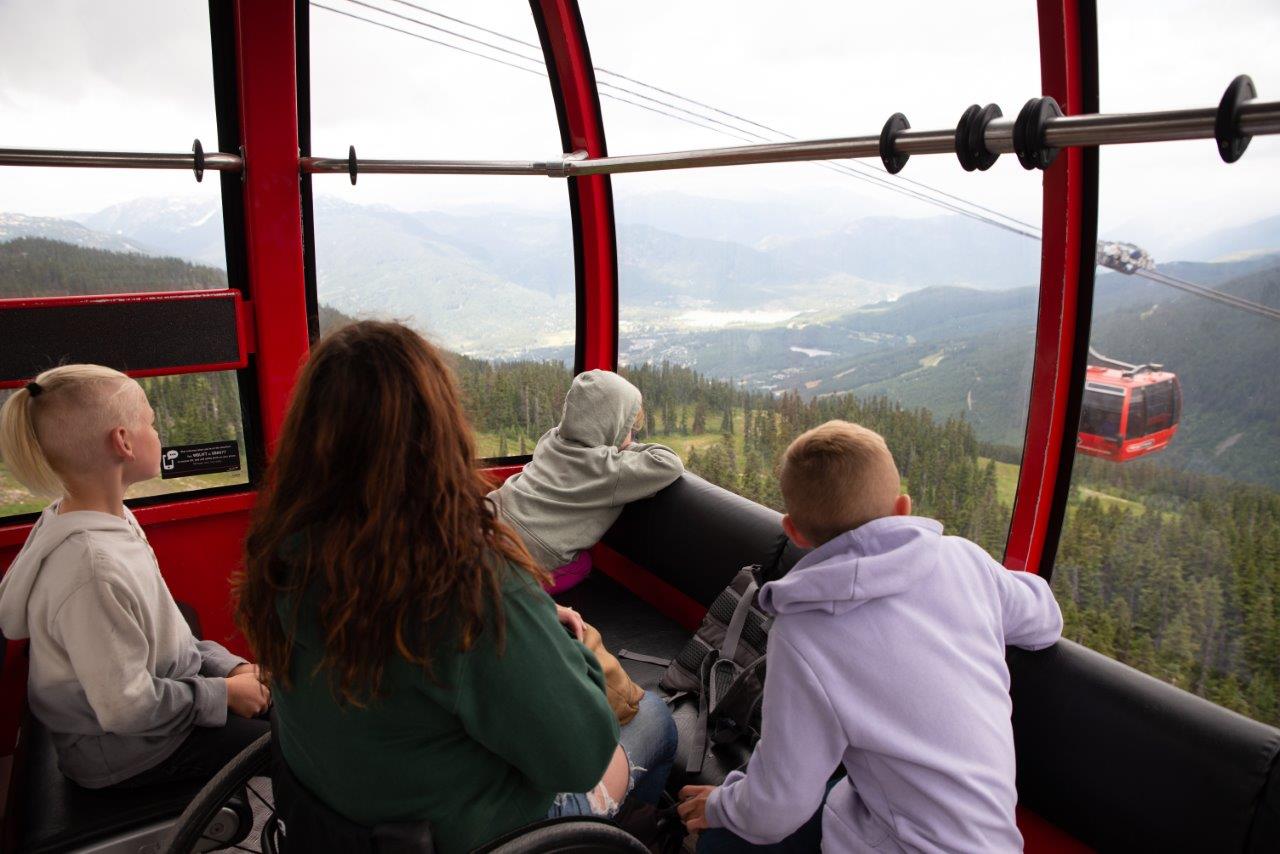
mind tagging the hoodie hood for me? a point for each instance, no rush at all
(51, 530)
(882, 558)
(599, 409)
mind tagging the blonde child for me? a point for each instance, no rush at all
(128, 694)
(886, 657)
(583, 472)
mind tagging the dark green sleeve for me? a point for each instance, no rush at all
(540, 704)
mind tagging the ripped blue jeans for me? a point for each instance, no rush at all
(649, 741)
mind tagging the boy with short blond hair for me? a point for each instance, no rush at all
(886, 657)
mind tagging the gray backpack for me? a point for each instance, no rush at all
(724, 664)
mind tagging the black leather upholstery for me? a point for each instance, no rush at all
(1117, 759)
(1125, 761)
(58, 815)
(696, 536)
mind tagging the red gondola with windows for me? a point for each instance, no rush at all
(1128, 411)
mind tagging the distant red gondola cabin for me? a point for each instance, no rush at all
(1128, 414)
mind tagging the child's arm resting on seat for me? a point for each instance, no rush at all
(100, 630)
(1030, 614)
(802, 743)
(645, 469)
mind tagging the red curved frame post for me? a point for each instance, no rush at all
(1048, 432)
(573, 86)
(265, 41)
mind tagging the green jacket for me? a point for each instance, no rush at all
(479, 752)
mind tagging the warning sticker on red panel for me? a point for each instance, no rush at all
(205, 458)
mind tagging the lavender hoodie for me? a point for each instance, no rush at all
(887, 656)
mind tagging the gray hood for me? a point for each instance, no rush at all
(578, 481)
(599, 410)
(50, 531)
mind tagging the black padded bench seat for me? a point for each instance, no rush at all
(1115, 758)
(57, 815)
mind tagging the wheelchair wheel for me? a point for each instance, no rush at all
(222, 814)
(567, 836)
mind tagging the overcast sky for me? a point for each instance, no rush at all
(136, 75)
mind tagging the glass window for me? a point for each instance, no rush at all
(1160, 406)
(1103, 406)
(759, 301)
(482, 265)
(75, 232)
(1168, 562)
(1137, 423)
(190, 409)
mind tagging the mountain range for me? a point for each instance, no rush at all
(862, 308)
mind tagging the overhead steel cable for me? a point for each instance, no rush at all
(845, 169)
(538, 59)
(1026, 230)
(744, 120)
(1210, 293)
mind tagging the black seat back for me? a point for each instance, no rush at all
(696, 536)
(308, 824)
(1124, 761)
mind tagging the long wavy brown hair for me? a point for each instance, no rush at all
(374, 506)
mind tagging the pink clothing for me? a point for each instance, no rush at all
(571, 574)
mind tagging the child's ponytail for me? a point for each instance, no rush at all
(21, 449)
(63, 402)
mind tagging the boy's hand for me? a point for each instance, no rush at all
(570, 619)
(692, 808)
(246, 696)
(244, 668)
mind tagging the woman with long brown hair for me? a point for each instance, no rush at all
(418, 669)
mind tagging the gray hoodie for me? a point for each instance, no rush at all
(575, 487)
(887, 656)
(116, 675)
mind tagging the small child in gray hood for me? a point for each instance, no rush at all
(584, 471)
(887, 657)
(128, 695)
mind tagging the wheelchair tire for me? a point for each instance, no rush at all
(566, 836)
(189, 833)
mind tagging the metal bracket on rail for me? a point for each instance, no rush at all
(971, 137)
(893, 162)
(1226, 127)
(560, 168)
(1028, 133)
(353, 166)
(197, 151)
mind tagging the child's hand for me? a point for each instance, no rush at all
(692, 808)
(244, 668)
(246, 696)
(570, 619)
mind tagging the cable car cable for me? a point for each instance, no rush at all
(538, 60)
(846, 169)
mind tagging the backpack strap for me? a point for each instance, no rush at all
(734, 633)
(641, 657)
(698, 749)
